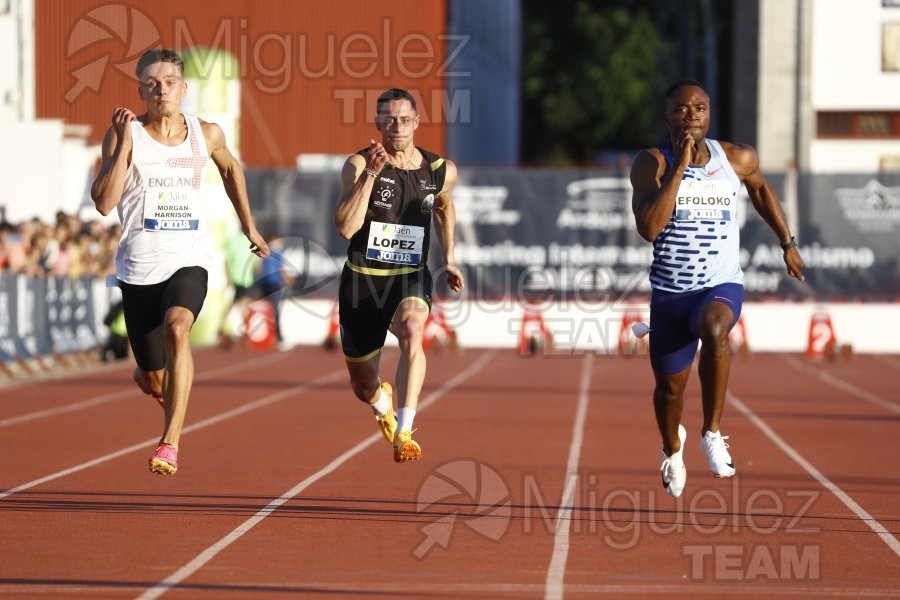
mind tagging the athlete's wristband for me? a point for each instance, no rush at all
(371, 173)
(790, 244)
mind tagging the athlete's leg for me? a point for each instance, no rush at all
(364, 378)
(182, 300)
(409, 326)
(178, 376)
(715, 322)
(672, 351)
(714, 317)
(150, 382)
(144, 329)
(668, 404)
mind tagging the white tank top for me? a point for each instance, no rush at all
(700, 247)
(164, 226)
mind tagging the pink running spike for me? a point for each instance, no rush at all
(165, 460)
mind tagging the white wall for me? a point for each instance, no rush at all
(846, 75)
(777, 84)
(840, 70)
(16, 60)
(43, 171)
(769, 327)
(846, 56)
(853, 156)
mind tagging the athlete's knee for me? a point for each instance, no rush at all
(364, 390)
(666, 394)
(668, 390)
(150, 382)
(410, 332)
(716, 321)
(714, 335)
(177, 331)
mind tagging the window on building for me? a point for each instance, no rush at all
(858, 124)
(890, 47)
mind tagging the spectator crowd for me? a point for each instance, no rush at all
(69, 247)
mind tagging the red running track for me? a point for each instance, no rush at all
(539, 480)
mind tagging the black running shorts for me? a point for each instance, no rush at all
(367, 304)
(145, 308)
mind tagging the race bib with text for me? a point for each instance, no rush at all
(171, 201)
(397, 244)
(704, 201)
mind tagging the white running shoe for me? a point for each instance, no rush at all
(674, 475)
(720, 462)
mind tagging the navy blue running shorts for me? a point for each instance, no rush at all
(674, 323)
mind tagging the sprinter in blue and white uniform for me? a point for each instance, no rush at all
(684, 202)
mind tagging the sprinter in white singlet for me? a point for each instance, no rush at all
(152, 172)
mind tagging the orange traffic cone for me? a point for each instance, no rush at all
(534, 336)
(259, 323)
(822, 339)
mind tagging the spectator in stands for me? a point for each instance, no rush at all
(276, 279)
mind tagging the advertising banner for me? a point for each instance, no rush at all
(41, 316)
(571, 232)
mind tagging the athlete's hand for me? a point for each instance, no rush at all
(794, 263)
(376, 157)
(258, 245)
(455, 279)
(121, 122)
(684, 149)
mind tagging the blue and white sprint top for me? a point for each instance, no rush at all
(699, 247)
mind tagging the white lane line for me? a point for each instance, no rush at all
(265, 401)
(207, 555)
(61, 410)
(556, 572)
(841, 495)
(840, 384)
(132, 392)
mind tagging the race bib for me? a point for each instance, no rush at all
(397, 244)
(171, 201)
(704, 201)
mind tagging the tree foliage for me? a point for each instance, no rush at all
(593, 74)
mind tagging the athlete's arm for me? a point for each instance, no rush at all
(445, 227)
(108, 186)
(654, 191)
(745, 163)
(235, 184)
(356, 186)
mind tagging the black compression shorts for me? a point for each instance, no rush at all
(367, 304)
(145, 308)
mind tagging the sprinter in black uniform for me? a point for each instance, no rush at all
(391, 191)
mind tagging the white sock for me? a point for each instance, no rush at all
(405, 418)
(382, 405)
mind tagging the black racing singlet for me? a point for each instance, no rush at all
(396, 233)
